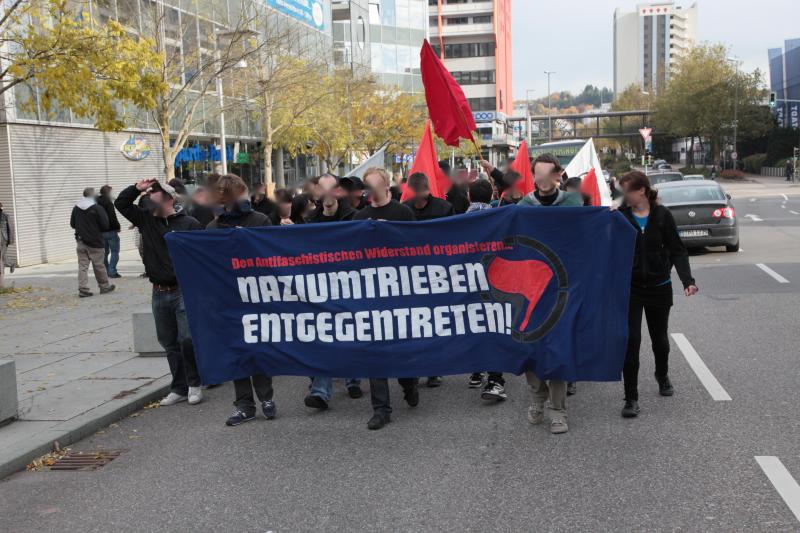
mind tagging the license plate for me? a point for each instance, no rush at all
(693, 233)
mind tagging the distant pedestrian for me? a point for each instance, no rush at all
(162, 216)
(90, 221)
(110, 237)
(6, 240)
(789, 171)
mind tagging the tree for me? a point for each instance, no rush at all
(74, 61)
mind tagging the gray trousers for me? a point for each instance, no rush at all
(552, 391)
(96, 257)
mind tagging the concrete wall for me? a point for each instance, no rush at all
(49, 168)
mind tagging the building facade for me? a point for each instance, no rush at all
(784, 81)
(48, 156)
(648, 42)
(473, 38)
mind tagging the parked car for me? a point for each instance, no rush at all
(703, 212)
(659, 162)
(664, 177)
(694, 177)
(664, 166)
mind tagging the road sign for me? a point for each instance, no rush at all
(645, 132)
(735, 156)
(773, 97)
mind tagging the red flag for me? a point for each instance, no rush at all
(427, 163)
(522, 164)
(590, 188)
(447, 105)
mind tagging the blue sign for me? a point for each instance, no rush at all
(509, 289)
(311, 12)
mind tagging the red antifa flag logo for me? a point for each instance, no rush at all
(522, 282)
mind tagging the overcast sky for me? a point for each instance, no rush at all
(575, 37)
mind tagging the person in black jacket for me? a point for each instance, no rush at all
(457, 194)
(230, 192)
(111, 236)
(90, 221)
(658, 249)
(425, 206)
(261, 202)
(172, 328)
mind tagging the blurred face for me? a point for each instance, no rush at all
(634, 197)
(421, 192)
(327, 184)
(163, 204)
(378, 189)
(573, 188)
(260, 192)
(461, 177)
(284, 209)
(200, 197)
(546, 177)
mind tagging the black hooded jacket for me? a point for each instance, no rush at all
(343, 212)
(89, 221)
(157, 263)
(106, 203)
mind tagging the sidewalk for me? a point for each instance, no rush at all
(76, 371)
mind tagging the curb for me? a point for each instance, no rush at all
(71, 431)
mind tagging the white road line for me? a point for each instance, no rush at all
(752, 199)
(754, 218)
(777, 277)
(703, 373)
(785, 198)
(783, 206)
(794, 212)
(782, 480)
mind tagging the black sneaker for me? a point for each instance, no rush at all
(411, 396)
(664, 386)
(106, 290)
(572, 388)
(269, 409)
(631, 409)
(355, 392)
(476, 380)
(239, 417)
(115, 275)
(378, 421)
(434, 381)
(85, 293)
(494, 391)
(315, 402)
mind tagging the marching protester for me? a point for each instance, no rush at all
(312, 189)
(335, 208)
(302, 207)
(172, 329)
(261, 202)
(573, 185)
(90, 221)
(283, 211)
(354, 187)
(383, 207)
(658, 249)
(230, 192)
(6, 240)
(111, 236)
(480, 194)
(457, 194)
(201, 208)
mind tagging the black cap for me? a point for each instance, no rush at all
(351, 183)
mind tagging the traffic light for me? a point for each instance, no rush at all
(772, 99)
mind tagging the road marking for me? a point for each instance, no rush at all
(752, 199)
(783, 206)
(777, 277)
(703, 373)
(785, 198)
(794, 212)
(755, 218)
(741, 250)
(782, 480)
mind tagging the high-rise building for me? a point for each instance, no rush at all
(648, 42)
(473, 37)
(784, 81)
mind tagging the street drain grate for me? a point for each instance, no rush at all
(83, 461)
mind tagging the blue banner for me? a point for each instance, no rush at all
(504, 290)
(311, 12)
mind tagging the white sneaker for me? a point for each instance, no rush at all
(171, 399)
(195, 395)
(536, 413)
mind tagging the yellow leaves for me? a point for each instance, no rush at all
(47, 460)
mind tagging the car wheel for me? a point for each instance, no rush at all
(732, 247)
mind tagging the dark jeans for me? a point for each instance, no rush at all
(379, 393)
(657, 324)
(243, 388)
(172, 330)
(111, 242)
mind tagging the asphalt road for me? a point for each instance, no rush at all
(688, 463)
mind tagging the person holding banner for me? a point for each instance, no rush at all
(658, 249)
(383, 207)
(230, 192)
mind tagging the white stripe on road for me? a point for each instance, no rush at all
(754, 218)
(785, 198)
(783, 206)
(703, 373)
(794, 212)
(777, 277)
(783, 482)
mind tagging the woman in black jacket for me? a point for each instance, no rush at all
(658, 249)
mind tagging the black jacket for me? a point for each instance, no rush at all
(157, 263)
(435, 208)
(89, 221)
(343, 212)
(106, 203)
(457, 196)
(658, 248)
(249, 219)
(265, 206)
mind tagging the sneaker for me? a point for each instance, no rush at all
(572, 388)
(269, 409)
(355, 392)
(315, 402)
(434, 381)
(536, 413)
(171, 399)
(85, 293)
(411, 396)
(115, 275)
(195, 394)
(475, 380)
(558, 425)
(143, 275)
(664, 386)
(631, 409)
(378, 421)
(239, 417)
(106, 290)
(494, 391)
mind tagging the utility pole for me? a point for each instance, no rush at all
(734, 156)
(528, 116)
(549, 112)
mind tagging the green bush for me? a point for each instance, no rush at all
(696, 170)
(753, 163)
(608, 161)
(621, 167)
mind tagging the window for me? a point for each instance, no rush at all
(482, 104)
(466, 50)
(474, 77)
(454, 21)
(483, 19)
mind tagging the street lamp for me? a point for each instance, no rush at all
(734, 155)
(528, 115)
(549, 114)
